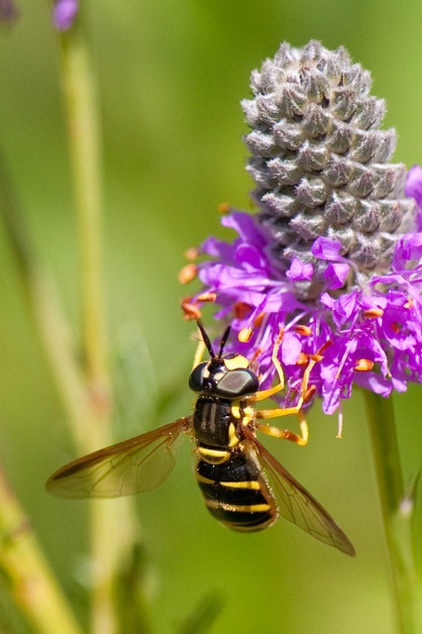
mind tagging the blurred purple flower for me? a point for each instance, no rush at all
(334, 256)
(64, 13)
(8, 11)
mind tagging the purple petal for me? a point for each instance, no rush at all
(326, 249)
(336, 274)
(407, 249)
(64, 13)
(291, 348)
(299, 271)
(245, 226)
(413, 187)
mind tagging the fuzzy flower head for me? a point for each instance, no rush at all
(333, 258)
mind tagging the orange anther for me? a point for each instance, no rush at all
(373, 313)
(245, 334)
(241, 310)
(190, 310)
(303, 359)
(309, 393)
(206, 297)
(300, 329)
(316, 357)
(364, 365)
(408, 304)
(187, 273)
(259, 319)
(192, 253)
(224, 208)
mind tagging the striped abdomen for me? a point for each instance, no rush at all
(236, 494)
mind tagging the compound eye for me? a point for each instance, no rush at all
(238, 383)
(197, 377)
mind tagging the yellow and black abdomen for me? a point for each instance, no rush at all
(235, 493)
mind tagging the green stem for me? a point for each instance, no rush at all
(397, 511)
(22, 560)
(82, 112)
(85, 395)
(26, 572)
(45, 310)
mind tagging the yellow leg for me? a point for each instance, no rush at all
(302, 438)
(259, 396)
(263, 394)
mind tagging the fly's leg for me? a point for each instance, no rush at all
(305, 393)
(263, 394)
(300, 439)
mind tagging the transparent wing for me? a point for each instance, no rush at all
(138, 464)
(297, 505)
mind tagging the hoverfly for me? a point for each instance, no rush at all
(243, 485)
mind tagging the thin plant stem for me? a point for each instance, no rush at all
(83, 117)
(82, 114)
(26, 572)
(23, 553)
(45, 310)
(397, 507)
(84, 390)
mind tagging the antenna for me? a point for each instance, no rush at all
(205, 338)
(224, 340)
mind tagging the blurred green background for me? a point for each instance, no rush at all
(171, 76)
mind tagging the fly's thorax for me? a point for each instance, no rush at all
(213, 422)
(218, 426)
(225, 385)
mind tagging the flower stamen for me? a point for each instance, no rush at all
(224, 208)
(245, 335)
(207, 297)
(340, 421)
(192, 253)
(188, 273)
(303, 359)
(190, 309)
(373, 313)
(259, 319)
(364, 365)
(303, 330)
(310, 391)
(241, 310)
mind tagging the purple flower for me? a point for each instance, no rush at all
(8, 11)
(333, 259)
(64, 13)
